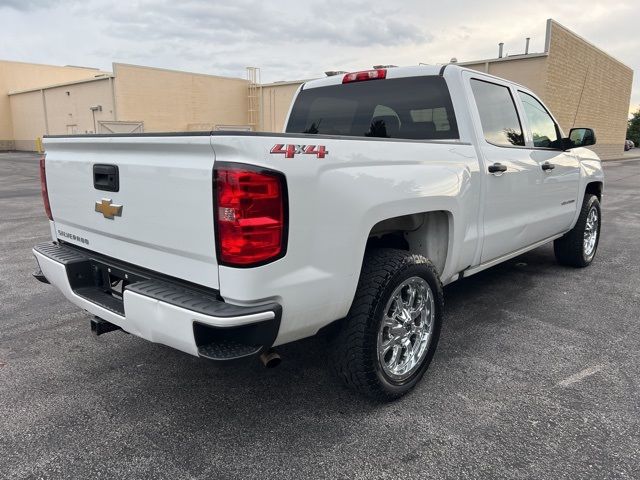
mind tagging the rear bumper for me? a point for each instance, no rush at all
(157, 308)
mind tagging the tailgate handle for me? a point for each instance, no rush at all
(106, 177)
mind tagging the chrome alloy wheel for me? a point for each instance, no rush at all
(591, 232)
(406, 329)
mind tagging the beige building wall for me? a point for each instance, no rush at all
(28, 119)
(168, 100)
(69, 107)
(276, 100)
(586, 87)
(23, 76)
(60, 110)
(529, 71)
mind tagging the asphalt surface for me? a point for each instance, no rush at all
(537, 376)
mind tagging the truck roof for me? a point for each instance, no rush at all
(392, 72)
(400, 72)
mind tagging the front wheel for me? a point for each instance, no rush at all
(578, 247)
(391, 332)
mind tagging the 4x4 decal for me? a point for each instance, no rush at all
(289, 151)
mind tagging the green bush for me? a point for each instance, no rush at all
(633, 128)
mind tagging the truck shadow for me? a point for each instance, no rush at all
(197, 394)
(117, 386)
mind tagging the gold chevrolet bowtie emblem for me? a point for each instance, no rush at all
(109, 210)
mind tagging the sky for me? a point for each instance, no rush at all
(291, 40)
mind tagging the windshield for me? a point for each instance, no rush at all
(417, 108)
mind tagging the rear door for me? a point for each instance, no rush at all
(559, 171)
(511, 176)
(159, 216)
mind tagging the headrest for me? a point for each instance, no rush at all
(391, 125)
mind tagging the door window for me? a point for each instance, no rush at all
(498, 115)
(543, 128)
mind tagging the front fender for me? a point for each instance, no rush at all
(590, 171)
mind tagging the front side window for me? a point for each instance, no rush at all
(498, 115)
(415, 108)
(543, 128)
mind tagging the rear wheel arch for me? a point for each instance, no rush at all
(426, 233)
(429, 234)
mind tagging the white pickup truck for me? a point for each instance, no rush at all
(386, 185)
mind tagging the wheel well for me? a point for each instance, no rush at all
(424, 233)
(594, 188)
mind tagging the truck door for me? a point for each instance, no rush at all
(559, 171)
(510, 175)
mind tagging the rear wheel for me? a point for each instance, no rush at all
(578, 247)
(391, 331)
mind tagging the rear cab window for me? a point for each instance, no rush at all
(412, 108)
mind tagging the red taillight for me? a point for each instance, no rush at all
(377, 74)
(250, 214)
(43, 188)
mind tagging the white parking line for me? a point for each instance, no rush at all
(587, 372)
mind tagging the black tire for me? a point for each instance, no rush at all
(570, 248)
(354, 354)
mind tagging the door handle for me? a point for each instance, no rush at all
(497, 168)
(546, 166)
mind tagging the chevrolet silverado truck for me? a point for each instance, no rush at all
(385, 185)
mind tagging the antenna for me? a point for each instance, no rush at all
(584, 83)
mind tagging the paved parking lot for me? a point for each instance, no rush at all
(537, 376)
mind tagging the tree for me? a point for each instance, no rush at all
(633, 128)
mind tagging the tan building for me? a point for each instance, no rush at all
(275, 103)
(142, 99)
(581, 84)
(19, 75)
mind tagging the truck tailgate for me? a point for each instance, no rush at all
(165, 191)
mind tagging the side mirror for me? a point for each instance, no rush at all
(581, 137)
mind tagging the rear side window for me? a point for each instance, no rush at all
(415, 108)
(498, 115)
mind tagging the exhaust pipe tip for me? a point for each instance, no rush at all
(38, 275)
(100, 326)
(270, 358)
